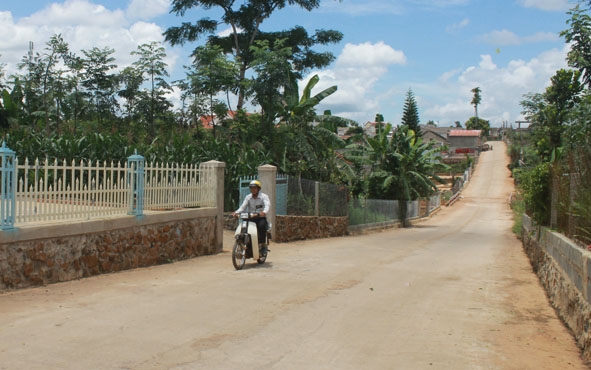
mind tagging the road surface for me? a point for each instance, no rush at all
(454, 292)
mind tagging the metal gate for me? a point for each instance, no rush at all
(281, 182)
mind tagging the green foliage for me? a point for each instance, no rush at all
(410, 114)
(245, 19)
(404, 168)
(579, 38)
(474, 123)
(476, 100)
(300, 204)
(359, 216)
(582, 211)
(550, 112)
(8, 110)
(518, 208)
(535, 183)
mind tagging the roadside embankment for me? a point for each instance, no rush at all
(564, 270)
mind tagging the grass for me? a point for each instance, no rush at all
(518, 207)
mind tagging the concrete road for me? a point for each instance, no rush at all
(453, 292)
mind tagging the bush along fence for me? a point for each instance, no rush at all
(50, 191)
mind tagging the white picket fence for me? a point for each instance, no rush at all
(51, 191)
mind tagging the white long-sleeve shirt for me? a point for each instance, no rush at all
(255, 205)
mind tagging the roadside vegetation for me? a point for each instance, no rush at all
(551, 162)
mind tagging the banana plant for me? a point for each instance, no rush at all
(296, 108)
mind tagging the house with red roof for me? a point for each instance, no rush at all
(464, 141)
(209, 120)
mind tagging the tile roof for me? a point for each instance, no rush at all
(470, 133)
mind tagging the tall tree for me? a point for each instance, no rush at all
(549, 112)
(579, 38)
(152, 67)
(131, 81)
(100, 83)
(272, 85)
(476, 99)
(245, 20)
(30, 87)
(212, 73)
(55, 50)
(410, 114)
(75, 100)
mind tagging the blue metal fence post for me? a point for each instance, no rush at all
(7, 187)
(136, 175)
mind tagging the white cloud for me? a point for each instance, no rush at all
(228, 31)
(83, 25)
(360, 68)
(361, 7)
(505, 37)
(439, 3)
(147, 9)
(75, 12)
(368, 55)
(502, 37)
(502, 88)
(547, 4)
(458, 26)
(356, 71)
(486, 63)
(541, 36)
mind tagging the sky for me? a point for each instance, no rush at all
(438, 49)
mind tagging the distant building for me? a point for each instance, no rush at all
(463, 142)
(371, 128)
(434, 133)
(209, 120)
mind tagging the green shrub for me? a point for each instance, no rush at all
(535, 184)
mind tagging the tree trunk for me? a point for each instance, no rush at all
(403, 210)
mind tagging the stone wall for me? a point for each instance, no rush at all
(564, 270)
(291, 228)
(54, 253)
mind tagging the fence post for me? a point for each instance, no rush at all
(268, 178)
(316, 198)
(135, 177)
(216, 171)
(8, 186)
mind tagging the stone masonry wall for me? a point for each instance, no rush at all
(563, 269)
(112, 246)
(291, 228)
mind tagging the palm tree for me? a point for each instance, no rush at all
(476, 99)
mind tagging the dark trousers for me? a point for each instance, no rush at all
(261, 228)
